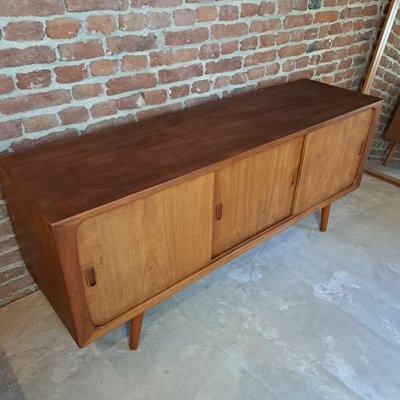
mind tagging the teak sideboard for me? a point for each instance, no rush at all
(114, 222)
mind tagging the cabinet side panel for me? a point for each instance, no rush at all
(331, 160)
(37, 246)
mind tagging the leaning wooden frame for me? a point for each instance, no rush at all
(370, 77)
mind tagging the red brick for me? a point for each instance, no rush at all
(267, 40)
(73, 115)
(13, 272)
(201, 86)
(229, 64)
(6, 227)
(343, 41)
(131, 63)
(24, 30)
(156, 97)
(323, 31)
(249, 10)
(229, 47)
(27, 56)
(297, 35)
(157, 20)
(70, 73)
(180, 74)
(256, 73)
(288, 66)
(326, 16)
(38, 8)
(103, 67)
(130, 102)
(7, 245)
(104, 24)
(184, 17)
(131, 43)
(14, 285)
(19, 294)
(10, 129)
(156, 3)
(179, 91)
(335, 29)
(326, 69)
(285, 6)
(210, 50)
(354, 12)
(249, 43)
(129, 83)
(265, 25)
(311, 33)
(260, 58)
(370, 11)
(282, 37)
(34, 80)
(81, 50)
(296, 75)
(103, 109)
(39, 123)
(86, 91)
(228, 13)
(220, 31)
(90, 5)
(132, 22)
(268, 8)
(302, 62)
(169, 57)
(34, 101)
(11, 242)
(357, 25)
(292, 50)
(62, 28)
(6, 84)
(239, 78)
(293, 21)
(186, 37)
(206, 13)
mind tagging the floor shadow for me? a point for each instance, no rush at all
(9, 386)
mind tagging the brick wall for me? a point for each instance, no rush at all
(69, 67)
(387, 86)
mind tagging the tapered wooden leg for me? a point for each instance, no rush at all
(390, 154)
(325, 218)
(136, 327)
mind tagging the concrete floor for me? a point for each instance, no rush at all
(305, 315)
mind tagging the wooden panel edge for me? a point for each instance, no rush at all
(65, 241)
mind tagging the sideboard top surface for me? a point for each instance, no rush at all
(69, 177)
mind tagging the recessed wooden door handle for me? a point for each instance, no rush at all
(293, 178)
(90, 276)
(218, 211)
